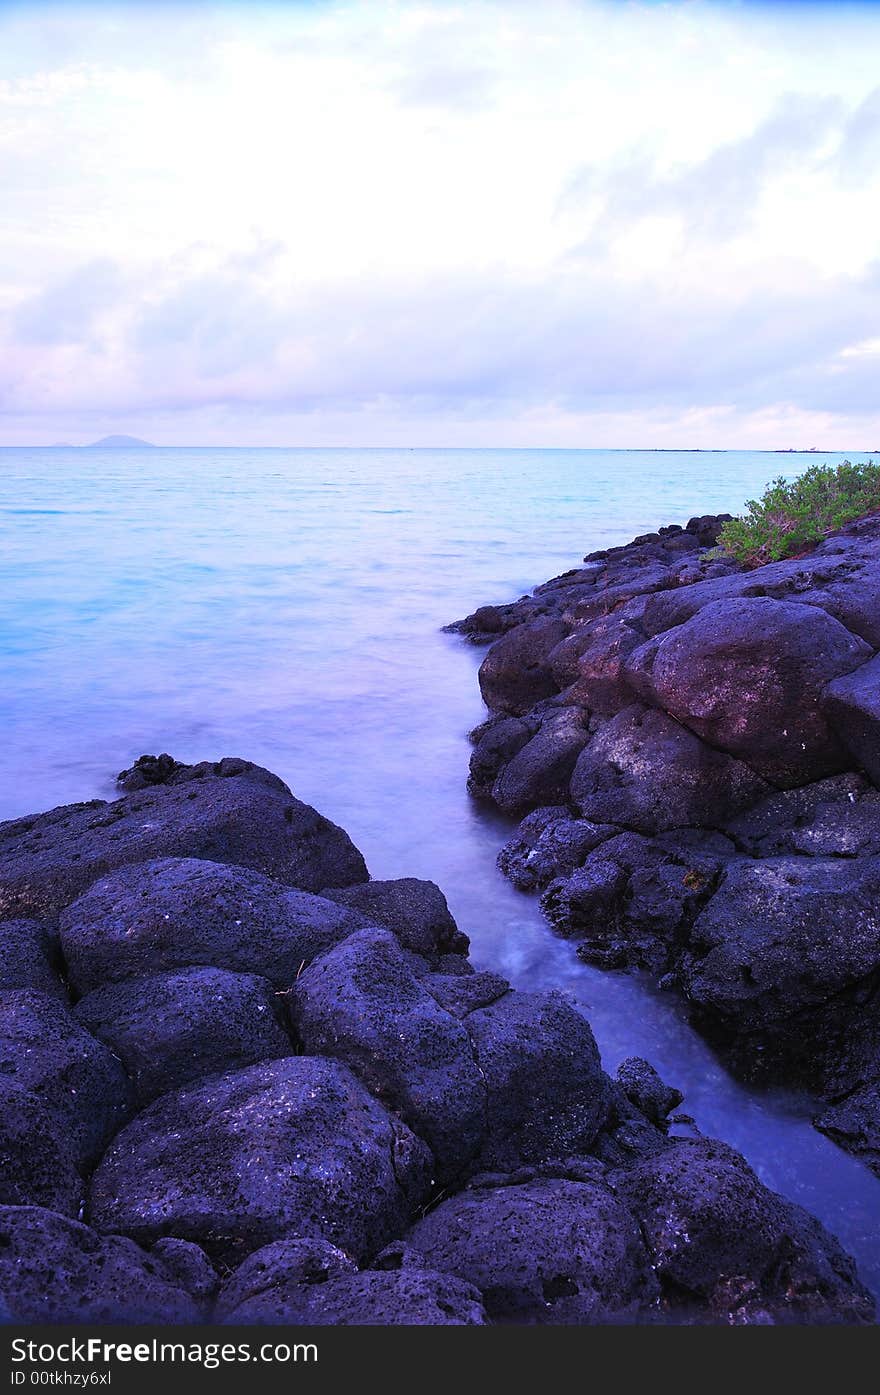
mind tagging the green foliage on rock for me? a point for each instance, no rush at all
(793, 515)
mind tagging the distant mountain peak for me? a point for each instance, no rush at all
(118, 443)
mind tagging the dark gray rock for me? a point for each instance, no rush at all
(29, 957)
(852, 707)
(312, 1283)
(178, 912)
(646, 772)
(783, 965)
(291, 1148)
(55, 1270)
(233, 812)
(82, 1085)
(748, 676)
(37, 1163)
(839, 816)
(495, 744)
(854, 1123)
(540, 772)
(635, 898)
(171, 1028)
(726, 1247)
(516, 672)
(546, 1093)
(643, 1087)
(416, 911)
(547, 1251)
(361, 1004)
(152, 770)
(550, 843)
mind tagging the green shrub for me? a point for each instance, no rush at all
(793, 515)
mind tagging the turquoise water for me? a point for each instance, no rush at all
(286, 605)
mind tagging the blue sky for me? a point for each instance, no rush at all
(437, 223)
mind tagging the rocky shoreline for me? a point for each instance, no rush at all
(243, 1082)
(693, 750)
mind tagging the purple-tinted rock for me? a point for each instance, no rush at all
(53, 1269)
(291, 1148)
(178, 912)
(37, 1162)
(747, 676)
(171, 1028)
(721, 1242)
(29, 957)
(646, 772)
(539, 773)
(550, 843)
(82, 1085)
(361, 1004)
(232, 812)
(546, 1093)
(416, 911)
(854, 1123)
(516, 673)
(311, 1283)
(547, 1251)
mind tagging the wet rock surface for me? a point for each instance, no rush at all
(273, 1106)
(721, 823)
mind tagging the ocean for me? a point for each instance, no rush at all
(286, 606)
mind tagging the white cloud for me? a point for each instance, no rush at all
(414, 221)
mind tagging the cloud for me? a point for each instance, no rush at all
(427, 217)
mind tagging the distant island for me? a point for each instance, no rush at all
(119, 443)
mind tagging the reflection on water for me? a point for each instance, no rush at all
(286, 606)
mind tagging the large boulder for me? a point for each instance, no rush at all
(289, 1148)
(312, 1283)
(362, 1004)
(177, 912)
(29, 957)
(646, 772)
(726, 1248)
(516, 673)
(783, 964)
(747, 676)
(171, 1028)
(82, 1085)
(539, 773)
(551, 1250)
(53, 1269)
(233, 812)
(416, 911)
(852, 707)
(546, 1093)
(37, 1162)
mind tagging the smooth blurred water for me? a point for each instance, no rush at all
(285, 606)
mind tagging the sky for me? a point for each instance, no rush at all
(482, 224)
